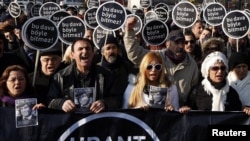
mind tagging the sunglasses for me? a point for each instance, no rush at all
(155, 66)
(191, 42)
(216, 68)
(213, 48)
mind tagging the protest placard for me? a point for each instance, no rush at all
(14, 9)
(40, 33)
(214, 13)
(71, 28)
(184, 14)
(235, 24)
(111, 15)
(155, 32)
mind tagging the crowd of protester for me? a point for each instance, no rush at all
(201, 68)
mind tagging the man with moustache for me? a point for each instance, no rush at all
(82, 73)
(180, 65)
(113, 61)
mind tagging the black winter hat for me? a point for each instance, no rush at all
(236, 59)
(110, 39)
(175, 35)
(55, 50)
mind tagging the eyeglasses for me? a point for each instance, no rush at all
(52, 59)
(216, 68)
(14, 79)
(213, 48)
(191, 42)
(155, 66)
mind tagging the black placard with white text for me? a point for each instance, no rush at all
(48, 9)
(40, 33)
(58, 16)
(70, 28)
(90, 19)
(155, 32)
(35, 10)
(14, 9)
(184, 14)
(214, 13)
(235, 24)
(111, 15)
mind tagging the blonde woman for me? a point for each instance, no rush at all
(152, 73)
(67, 59)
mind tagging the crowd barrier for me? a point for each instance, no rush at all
(127, 125)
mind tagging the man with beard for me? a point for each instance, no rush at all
(115, 63)
(180, 65)
(82, 73)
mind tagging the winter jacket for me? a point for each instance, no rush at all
(67, 79)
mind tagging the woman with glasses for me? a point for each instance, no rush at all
(152, 86)
(239, 77)
(15, 84)
(215, 93)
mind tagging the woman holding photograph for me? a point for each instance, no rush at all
(152, 73)
(15, 84)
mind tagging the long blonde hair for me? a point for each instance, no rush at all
(136, 94)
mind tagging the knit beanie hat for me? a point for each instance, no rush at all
(55, 50)
(236, 59)
(109, 39)
(210, 60)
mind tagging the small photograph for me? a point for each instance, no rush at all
(157, 96)
(25, 116)
(83, 98)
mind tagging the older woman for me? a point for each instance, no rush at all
(215, 93)
(239, 76)
(15, 84)
(152, 73)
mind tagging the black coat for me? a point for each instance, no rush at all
(66, 80)
(120, 71)
(204, 101)
(43, 82)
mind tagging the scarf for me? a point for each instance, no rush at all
(241, 86)
(9, 100)
(218, 91)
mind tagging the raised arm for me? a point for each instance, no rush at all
(134, 51)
